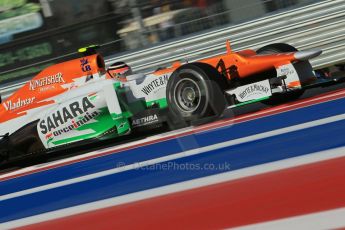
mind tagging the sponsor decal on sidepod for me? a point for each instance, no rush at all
(254, 89)
(68, 113)
(10, 105)
(75, 124)
(46, 81)
(145, 120)
(153, 85)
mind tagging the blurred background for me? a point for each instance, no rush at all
(37, 33)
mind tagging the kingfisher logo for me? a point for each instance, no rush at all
(46, 81)
(66, 114)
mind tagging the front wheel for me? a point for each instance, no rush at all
(194, 92)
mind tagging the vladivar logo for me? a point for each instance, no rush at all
(19, 103)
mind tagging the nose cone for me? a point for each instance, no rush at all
(307, 54)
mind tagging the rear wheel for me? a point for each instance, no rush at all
(301, 68)
(276, 48)
(194, 92)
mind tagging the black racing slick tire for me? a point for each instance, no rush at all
(276, 48)
(194, 91)
(300, 67)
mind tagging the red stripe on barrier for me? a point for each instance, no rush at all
(296, 191)
(243, 118)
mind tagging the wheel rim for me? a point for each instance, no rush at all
(187, 95)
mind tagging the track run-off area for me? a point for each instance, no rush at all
(278, 167)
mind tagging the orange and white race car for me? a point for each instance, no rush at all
(77, 101)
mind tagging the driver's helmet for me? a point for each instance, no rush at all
(119, 71)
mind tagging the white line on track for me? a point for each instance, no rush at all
(175, 156)
(180, 187)
(331, 219)
(256, 115)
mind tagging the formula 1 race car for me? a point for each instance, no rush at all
(76, 101)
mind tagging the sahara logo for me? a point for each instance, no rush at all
(76, 123)
(157, 83)
(46, 81)
(10, 105)
(65, 114)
